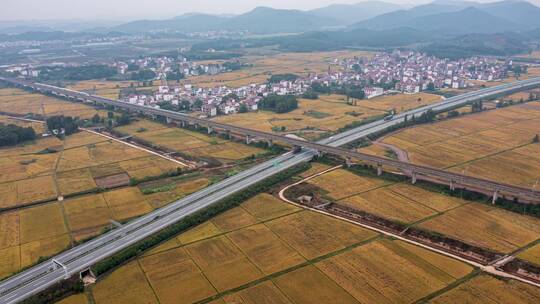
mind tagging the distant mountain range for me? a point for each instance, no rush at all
(460, 17)
(441, 17)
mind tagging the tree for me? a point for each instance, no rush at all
(59, 122)
(198, 104)
(13, 134)
(536, 139)
(430, 87)
(310, 94)
(96, 119)
(110, 114)
(124, 119)
(243, 108)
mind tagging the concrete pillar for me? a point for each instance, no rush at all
(379, 169)
(270, 143)
(495, 197)
(248, 140)
(183, 124)
(169, 120)
(452, 185)
(210, 129)
(413, 175)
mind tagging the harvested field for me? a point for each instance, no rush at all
(189, 142)
(202, 231)
(487, 289)
(38, 127)
(35, 189)
(113, 181)
(75, 181)
(233, 219)
(75, 299)
(400, 102)
(315, 168)
(265, 292)
(388, 204)
(87, 212)
(126, 203)
(33, 251)
(392, 272)
(147, 166)
(493, 145)
(310, 285)
(334, 113)
(314, 235)
(486, 227)
(216, 257)
(21, 102)
(531, 255)
(171, 271)
(265, 249)
(10, 261)
(342, 183)
(125, 286)
(265, 206)
(41, 222)
(9, 225)
(427, 198)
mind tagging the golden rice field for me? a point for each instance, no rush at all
(272, 261)
(492, 145)
(38, 127)
(341, 183)
(531, 255)
(484, 287)
(189, 142)
(80, 160)
(486, 227)
(264, 66)
(332, 112)
(473, 223)
(21, 102)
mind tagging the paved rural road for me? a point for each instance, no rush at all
(41, 276)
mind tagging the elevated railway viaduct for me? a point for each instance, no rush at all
(415, 171)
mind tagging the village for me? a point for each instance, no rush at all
(385, 73)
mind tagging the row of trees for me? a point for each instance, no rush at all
(12, 134)
(349, 90)
(85, 72)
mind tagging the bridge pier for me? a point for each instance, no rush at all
(270, 143)
(379, 169)
(495, 197)
(248, 139)
(210, 129)
(452, 185)
(168, 120)
(413, 177)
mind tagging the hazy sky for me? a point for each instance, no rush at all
(129, 9)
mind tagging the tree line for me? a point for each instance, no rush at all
(12, 134)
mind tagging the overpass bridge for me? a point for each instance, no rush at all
(453, 179)
(79, 258)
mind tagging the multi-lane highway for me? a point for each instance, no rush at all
(83, 256)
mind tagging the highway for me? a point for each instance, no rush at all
(43, 275)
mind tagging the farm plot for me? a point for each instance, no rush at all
(495, 145)
(321, 114)
(265, 292)
(400, 102)
(487, 289)
(23, 103)
(388, 204)
(310, 285)
(189, 142)
(389, 271)
(486, 227)
(217, 257)
(126, 285)
(342, 183)
(531, 255)
(314, 235)
(126, 203)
